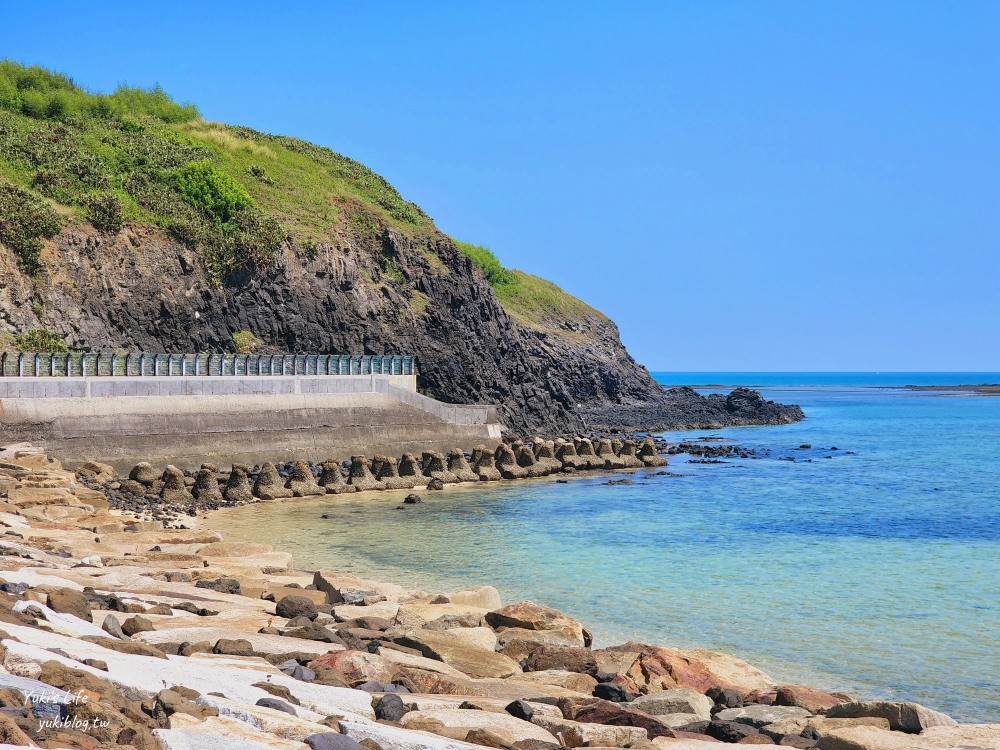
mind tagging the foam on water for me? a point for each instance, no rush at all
(877, 573)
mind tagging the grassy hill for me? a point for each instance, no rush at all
(235, 195)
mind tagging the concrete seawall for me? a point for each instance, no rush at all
(188, 420)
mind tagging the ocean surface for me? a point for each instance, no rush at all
(873, 568)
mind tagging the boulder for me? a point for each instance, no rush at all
(729, 731)
(596, 711)
(530, 616)
(233, 647)
(484, 464)
(656, 668)
(758, 715)
(69, 601)
(676, 701)
(360, 477)
(903, 716)
(301, 482)
(813, 700)
(459, 466)
(456, 652)
(353, 667)
(611, 691)
(389, 708)
(296, 606)
(331, 478)
(958, 737)
(816, 725)
(237, 489)
(568, 658)
(482, 597)
(268, 485)
(136, 624)
(579, 683)
(144, 473)
(505, 726)
(174, 490)
(574, 734)
(206, 486)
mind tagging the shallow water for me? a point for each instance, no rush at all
(877, 573)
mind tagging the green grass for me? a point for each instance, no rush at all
(136, 155)
(483, 257)
(543, 306)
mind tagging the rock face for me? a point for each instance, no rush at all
(435, 304)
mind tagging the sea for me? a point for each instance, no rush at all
(868, 564)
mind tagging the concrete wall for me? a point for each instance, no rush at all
(190, 420)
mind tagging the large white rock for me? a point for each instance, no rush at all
(25, 655)
(903, 716)
(60, 621)
(483, 597)
(957, 737)
(396, 738)
(219, 733)
(510, 728)
(577, 734)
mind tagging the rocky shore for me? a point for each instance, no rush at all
(118, 632)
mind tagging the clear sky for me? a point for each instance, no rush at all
(740, 185)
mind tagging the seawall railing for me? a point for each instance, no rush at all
(145, 364)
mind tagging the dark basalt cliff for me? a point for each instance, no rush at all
(141, 289)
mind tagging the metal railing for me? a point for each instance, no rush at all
(144, 364)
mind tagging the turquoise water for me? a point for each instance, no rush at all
(877, 573)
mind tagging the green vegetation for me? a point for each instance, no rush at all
(233, 194)
(40, 340)
(25, 222)
(542, 305)
(496, 274)
(246, 343)
(209, 189)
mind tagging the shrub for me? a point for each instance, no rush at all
(25, 222)
(211, 190)
(246, 343)
(496, 275)
(40, 340)
(254, 240)
(105, 213)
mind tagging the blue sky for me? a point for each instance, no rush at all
(740, 185)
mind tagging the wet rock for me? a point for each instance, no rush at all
(412, 499)
(237, 489)
(435, 484)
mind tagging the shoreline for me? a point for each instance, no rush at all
(165, 600)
